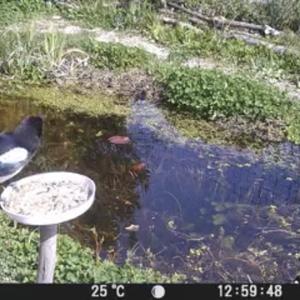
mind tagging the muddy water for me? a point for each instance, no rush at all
(213, 213)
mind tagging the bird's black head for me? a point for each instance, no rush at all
(28, 133)
(33, 124)
(36, 123)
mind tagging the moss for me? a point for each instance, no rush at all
(211, 132)
(89, 103)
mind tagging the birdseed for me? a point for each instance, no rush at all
(45, 198)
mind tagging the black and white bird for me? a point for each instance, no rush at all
(18, 147)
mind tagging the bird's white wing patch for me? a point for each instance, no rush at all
(14, 155)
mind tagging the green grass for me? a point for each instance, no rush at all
(212, 95)
(186, 43)
(75, 263)
(110, 14)
(30, 51)
(277, 13)
(139, 14)
(29, 55)
(114, 56)
(14, 11)
(32, 56)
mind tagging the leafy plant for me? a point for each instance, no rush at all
(75, 263)
(211, 94)
(116, 56)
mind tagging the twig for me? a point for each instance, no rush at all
(172, 21)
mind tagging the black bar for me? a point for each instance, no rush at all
(145, 291)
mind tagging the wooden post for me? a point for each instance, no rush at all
(47, 253)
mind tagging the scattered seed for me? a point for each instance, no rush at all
(45, 198)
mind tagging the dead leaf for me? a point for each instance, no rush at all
(138, 167)
(119, 140)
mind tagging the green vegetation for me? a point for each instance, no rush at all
(186, 43)
(211, 94)
(112, 14)
(221, 132)
(142, 16)
(139, 14)
(280, 14)
(197, 101)
(75, 264)
(33, 56)
(206, 94)
(116, 56)
(29, 55)
(91, 103)
(197, 95)
(13, 11)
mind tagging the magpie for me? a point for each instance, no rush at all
(18, 147)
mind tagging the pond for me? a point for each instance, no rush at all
(214, 213)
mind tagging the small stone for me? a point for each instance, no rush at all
(133, 228)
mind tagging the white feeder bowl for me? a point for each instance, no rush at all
(39, 219)
(48, 223)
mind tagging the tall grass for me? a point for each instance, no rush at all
(112, 14)
(12, 11)
(29, 54)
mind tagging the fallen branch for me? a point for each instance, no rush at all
(250, 40)
(221, 22)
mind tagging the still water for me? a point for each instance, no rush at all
(214, 213)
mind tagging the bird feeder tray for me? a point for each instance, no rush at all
(48, 198)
